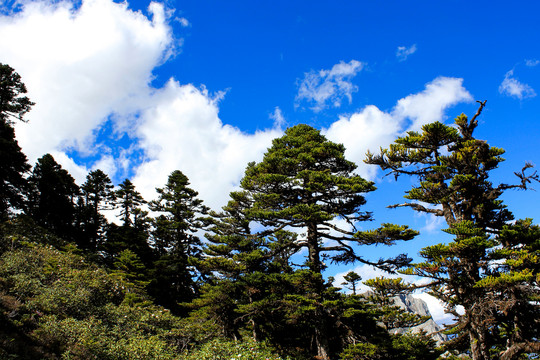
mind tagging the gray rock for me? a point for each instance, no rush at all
(418, 306)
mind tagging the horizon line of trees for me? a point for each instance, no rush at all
(242, 281)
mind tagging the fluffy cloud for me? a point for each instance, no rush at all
(513, 88)
(329, 86)
(403, 52)
(368, 129)
(372, 128)
(430, 104)
(89, 70)
(532, 62)
(181, 130)
(90, 67)
(81, 66)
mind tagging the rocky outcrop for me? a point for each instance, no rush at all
(418, 306)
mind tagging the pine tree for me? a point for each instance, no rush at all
(51, 202)
(97, 195)
(133, 234)
(352, 279)
(247, 274)
(304, 182)
(452, 168)
(128, 200)
(176, 242)
(13, 106)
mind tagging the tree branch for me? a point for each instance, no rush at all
(418, 207)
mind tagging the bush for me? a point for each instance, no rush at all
(219, 349)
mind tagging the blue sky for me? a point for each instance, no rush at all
(140, 89)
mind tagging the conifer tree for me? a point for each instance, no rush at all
(13, 106)
(250, 271)
(352, 279)
(304, 182)
(133, 234)
(52, 198)
(452, 168)
(97, 195)
(128, 200)
(176, 242)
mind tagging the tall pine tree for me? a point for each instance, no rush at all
(97, 195)
(176, 242)
(52, 198)
(304, 182)
(452, 169)
(13, 106)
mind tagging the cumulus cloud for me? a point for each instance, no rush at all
(430, 104)
(89, 67)
(514, 88)
(372, 128)
(80, 66)
(325, 88)
(181, 129)
(403, 52)
(89, 70)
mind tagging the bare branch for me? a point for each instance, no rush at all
(418, 207)
(478, 112)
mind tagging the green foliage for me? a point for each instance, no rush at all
(59, 304)
(13, 105)
(176, 243)
(397, 347)
(304, 181)
(351, 279)
(477, 270)
(220, 349)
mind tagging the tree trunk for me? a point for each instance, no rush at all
(313, 249)
(321, 337)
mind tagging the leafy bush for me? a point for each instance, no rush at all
(219, 349)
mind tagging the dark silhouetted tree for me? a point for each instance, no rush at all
(176, 242)
(13, 106)
(97, 195)
(52, 198)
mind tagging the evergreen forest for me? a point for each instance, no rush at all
(170, 278)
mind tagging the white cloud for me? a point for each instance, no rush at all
(532, 62)
(513, 88)
(86, 66)
(183, 21)
(181, 130)
(430, 104)
(92, 66)
(80, 66)
(403, 52)
(329, 86)
(433, 223)
(277, 116)
(372, 128)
